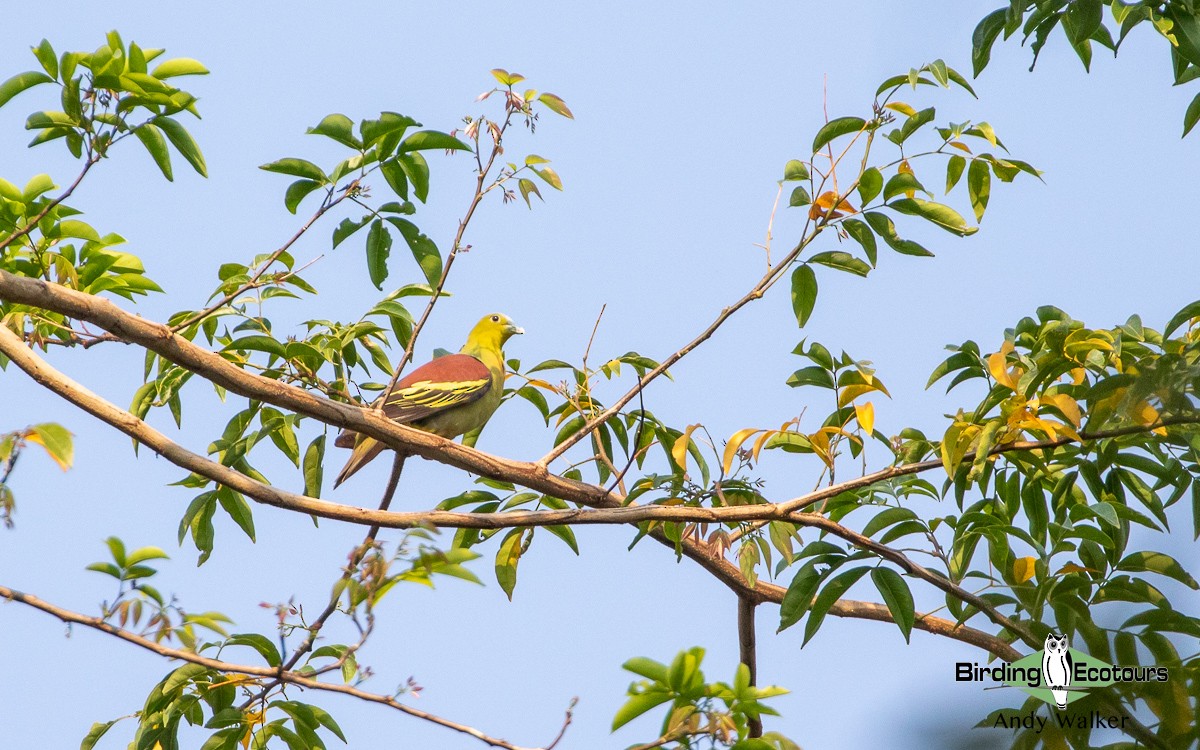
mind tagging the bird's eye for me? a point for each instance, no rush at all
(495, 318)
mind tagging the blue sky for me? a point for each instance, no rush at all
(685, 115)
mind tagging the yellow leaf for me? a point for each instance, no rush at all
(735, 442)
(850, 392)
(761, 441)
(1146, 415)
(679, 450)
(1067, 406)
(906, 168)
(901, 107)
(998, 366)
(820, 445)
(1023, 568)
(865, 413)
(960, 146)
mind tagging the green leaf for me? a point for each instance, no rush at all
(416, 169)
(941, 215)
(1157, 562)
(566, 534)
(77, 229)
(984, 37)
(379, 246)
(339, 128)
(638, 705)
(1187, 313)
(257, 343)
(297, 168)
(979, 186)
(896, 595)
(862, 234)
(425, 251)
(424, 140)
(314, 460)
(45, 55)
(98, 729)
(869, 185)
(259, 643)
(325, 720)
(507, 558)
(804, 292)
(1082, 19)
(56, 439)
(836, 128)
(38, 185)
(842, 261)
(180, 66)
(795, 170)
(348, 227)
(396, 179)
(886, 518)
(832, 591)
(1192, 115)
(648, 668)
(19, 83)
(238, 509)
(901, 183)
(389, 124)
(799, 596)
(297, 192)
(183, 142)
(800, 197)
(954, 170)
(152, 138)
(884, 227)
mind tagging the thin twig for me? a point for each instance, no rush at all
(92, 160)
(291, 678)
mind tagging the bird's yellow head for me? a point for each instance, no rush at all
(492, 331)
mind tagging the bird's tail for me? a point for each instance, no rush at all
(365, 450)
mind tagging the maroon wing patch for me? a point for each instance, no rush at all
(449, 381)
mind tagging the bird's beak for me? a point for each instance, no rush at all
(513, 330)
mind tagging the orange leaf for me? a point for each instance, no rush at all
(1073, 568)
(820, 208)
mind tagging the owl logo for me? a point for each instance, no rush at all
(1057, 667)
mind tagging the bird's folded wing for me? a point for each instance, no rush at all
(444, 383)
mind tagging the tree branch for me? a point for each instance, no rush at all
(747, 650)
(273, 673)
(610, 509)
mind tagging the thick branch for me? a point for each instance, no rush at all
(273, 673)
(161, 340)
(12, 347)
(748, 650)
